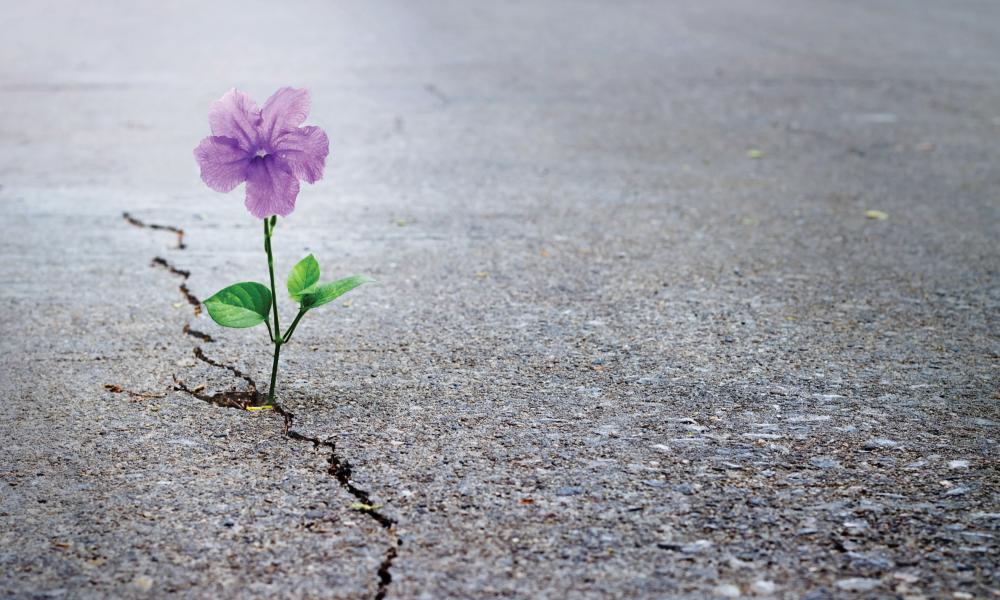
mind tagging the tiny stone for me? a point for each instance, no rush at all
(859, 525)
(858, 584)
(569, 491)
(763, 587)
(958, 491)
(906, 577)
(958, 464)
(696, 547)
(876, 443)
(143, 583)
(727, 590)
(824, 462)
(808, 418)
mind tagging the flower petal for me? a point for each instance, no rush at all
(285, 110)
(236, 116)
(223, 162)
(304, 150)
(271, 187)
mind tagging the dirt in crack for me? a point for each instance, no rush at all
(198, 334)
(191, 298)
(340, 469)
(241, 399)
(175, 230)
(117, 389)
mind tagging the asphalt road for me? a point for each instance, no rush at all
(637, 333)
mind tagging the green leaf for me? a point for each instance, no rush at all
(240, 305)
(303, 275)
(319, 295)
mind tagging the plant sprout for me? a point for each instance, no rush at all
(269, 150)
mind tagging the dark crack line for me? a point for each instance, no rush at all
(441, 97)
(162, 262)
(241, 399)
(339, 467)
(176, 230)
(385, 569)
(200, 355)
(117, 389)
(231, 399)
(198, 334)
(191, 298)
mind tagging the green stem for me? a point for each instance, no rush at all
(274, 374)
(268, 230)
(288, 334)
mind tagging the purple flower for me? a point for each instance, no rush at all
(264, 147)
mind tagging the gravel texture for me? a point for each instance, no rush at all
(684, 299)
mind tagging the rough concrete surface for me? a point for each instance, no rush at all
(637, 334)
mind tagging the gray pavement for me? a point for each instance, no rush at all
(636, 335)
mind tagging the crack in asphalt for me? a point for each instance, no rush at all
(177, 231)
(191, 298)
(200, 355)
(198, 334)
(339, 468)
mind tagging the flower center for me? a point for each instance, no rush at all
(261, 153)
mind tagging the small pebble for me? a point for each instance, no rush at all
(958, 464)
(859, 525)
(906, 577)
(858, 584)
(763, 587)
(696, 547)
(876, 443)
(824, 462)
(143, 583)
(727, 590)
